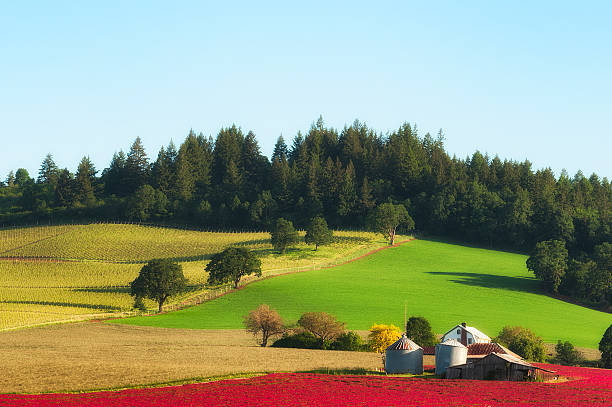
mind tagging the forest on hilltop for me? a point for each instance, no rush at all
(226, 183)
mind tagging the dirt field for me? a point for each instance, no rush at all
(91, 355)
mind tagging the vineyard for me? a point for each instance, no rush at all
(70, 272)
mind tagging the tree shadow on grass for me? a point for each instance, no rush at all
(66, 304)
(523, 284)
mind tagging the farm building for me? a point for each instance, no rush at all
(467, 335)
(495, 367)
(449, 353)
(404, 356)
(480, 350)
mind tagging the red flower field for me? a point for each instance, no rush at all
(589, 387)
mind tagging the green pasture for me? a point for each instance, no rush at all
(59, 273)
(446, 283)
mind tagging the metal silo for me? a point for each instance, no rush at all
(404, 356)
(450, 353)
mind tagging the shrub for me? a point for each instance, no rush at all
(419, 330)
(567, 354)
(302, 340)
(265, 320)
(522, 342)
(350, 341)
(381, 336)
(322, 325)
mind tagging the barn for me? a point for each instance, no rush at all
(495, 367)
(466, 335)
(480, 350)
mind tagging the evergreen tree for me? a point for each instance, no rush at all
(65, 190)
(163, 170)
(136, 166)
(48, 172)
(348, 195)
(280, 150)
(114, 176)
(10, 179)
(84, 182)
(193, 180)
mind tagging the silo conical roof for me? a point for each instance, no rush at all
(453, 342)
(404, 343)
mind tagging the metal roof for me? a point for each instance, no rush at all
(452, 342)
(483, 349)
(404, 343)
(475, 332)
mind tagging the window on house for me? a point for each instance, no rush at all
(470, 341)
(458, 331)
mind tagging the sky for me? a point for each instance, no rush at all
(514, 79)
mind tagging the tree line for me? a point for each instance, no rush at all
(340, 175)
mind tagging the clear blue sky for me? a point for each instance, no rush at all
(518, 80)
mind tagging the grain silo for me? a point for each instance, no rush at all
(450, 353)
(404, 356)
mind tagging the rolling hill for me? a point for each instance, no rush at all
(446, 283)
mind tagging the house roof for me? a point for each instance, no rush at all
(403, 343)
(475, 332)
(478, 350)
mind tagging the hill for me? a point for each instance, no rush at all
(446, 283)
(60, 273)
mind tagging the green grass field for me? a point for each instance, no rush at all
(60, 273)
(446, 283)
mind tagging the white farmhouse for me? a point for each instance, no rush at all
(467, 335)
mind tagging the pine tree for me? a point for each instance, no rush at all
(65, 190)
(84, 180)
(10, 179)
(48, 172)
(280, 150)
(348, 195)
(114, 176)
(193, 166)
(136, 166)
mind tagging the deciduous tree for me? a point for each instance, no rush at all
(158, 280)
(322, 325)
(317, 233)
(387, 217)
(283, 235)
(419, 330)
(382, 336)
(549, 263)
(231, 265)
(266, 321)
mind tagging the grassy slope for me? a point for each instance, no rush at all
(39, 291)
(446, 283)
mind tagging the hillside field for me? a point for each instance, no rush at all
(446, 283)
(62, 273)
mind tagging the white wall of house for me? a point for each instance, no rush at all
(455, 334)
